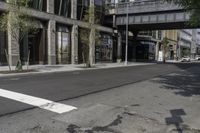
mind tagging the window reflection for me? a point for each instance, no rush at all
(82, 7)
(63, 7)
(38, 4)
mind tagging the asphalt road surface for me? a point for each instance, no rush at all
(68, 85)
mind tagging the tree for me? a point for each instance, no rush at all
(193, 7)
(16, 22)
(185, 52)
(89, 37)
(165, 47)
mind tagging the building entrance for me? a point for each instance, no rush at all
(104, 50)
(3, 47)
(63, 45)
(33, 48)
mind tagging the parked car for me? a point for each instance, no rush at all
(198, 57)
(185, 59)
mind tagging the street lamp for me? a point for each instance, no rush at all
(127, 21)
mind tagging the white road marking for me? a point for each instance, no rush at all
(38, 102)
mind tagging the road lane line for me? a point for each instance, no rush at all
(38, 102)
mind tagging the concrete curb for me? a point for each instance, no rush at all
(70, 68)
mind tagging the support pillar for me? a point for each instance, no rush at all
(91, 2)
(74, 9)
(157, 51)
(74, 44)
(74, 34)
(51, 35)
(13, 46)
(119, 47)
(50, 6)
(51, 42)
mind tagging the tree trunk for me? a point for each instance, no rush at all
(164, 59)
(19, 62)
(91, 47)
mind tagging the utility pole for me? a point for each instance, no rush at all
(127, 22)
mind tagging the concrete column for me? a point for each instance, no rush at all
(91, 2)
(92, 37)
(74, 44)
(50, 6)
(74, 9)
(92, 17)
(157, 51)
(119, 47)
(13, 46)
(51, 42)
(157, 46)
(74, 34)
(193, 48)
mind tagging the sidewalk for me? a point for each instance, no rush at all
(65, 68)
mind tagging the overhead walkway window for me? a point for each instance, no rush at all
(63, 7)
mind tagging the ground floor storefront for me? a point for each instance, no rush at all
(3, 48)
(60, 46)
(34, 48)
(54, 43)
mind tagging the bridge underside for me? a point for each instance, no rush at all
(149, 15)
(156, 26)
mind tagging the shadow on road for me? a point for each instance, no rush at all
(176, 119)
(185, 83)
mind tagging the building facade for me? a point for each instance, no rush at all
(172, 36)
(57, 40)
(188, 42)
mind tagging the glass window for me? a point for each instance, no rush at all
(82, 7)
(3, 47)
(63, 7)
(104, 50)
(38, 4)
(63, 46)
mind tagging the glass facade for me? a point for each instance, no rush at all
(145, 51)
(3, 47)
(63, 7)
(104, 50)
(82, 7)
(38, 4)
(34, 47)
(99, 10)
(63, 45)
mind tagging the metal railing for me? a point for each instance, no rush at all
(142, 6)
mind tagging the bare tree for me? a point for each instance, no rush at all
(89, 37)
(17, 23)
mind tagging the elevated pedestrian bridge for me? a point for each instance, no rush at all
(148, 15)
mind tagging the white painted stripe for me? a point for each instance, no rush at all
(38, 102)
